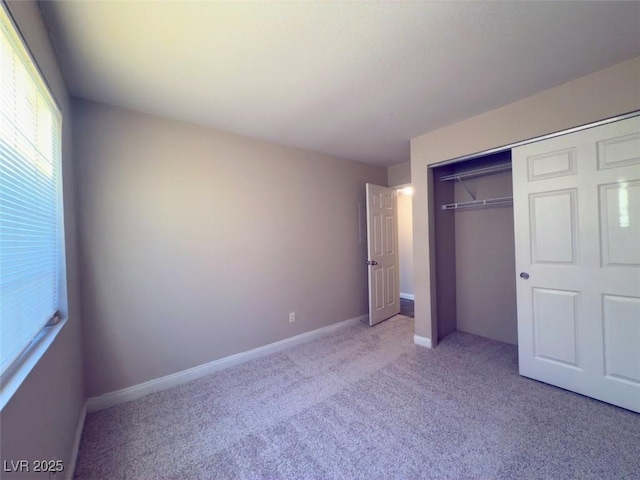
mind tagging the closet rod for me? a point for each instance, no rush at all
(476, 172)
(489, 202)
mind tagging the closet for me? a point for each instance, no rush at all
(474, 248)
(566, 286)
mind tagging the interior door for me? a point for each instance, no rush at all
(382, 241)
(577, 230)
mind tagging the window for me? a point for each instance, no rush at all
(31, 229)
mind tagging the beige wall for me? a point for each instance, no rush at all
(405, 243)
(196, 244)
(601, 95)
(399, 174)
(40, 421)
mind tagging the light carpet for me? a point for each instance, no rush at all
(365, 403)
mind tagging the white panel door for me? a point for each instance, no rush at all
(382, 235)
(577, 229)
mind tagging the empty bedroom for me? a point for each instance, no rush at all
(320, 240)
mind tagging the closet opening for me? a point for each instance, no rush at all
(474, 249)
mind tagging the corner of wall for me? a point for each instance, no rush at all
(399, 174)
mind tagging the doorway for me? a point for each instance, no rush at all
(399, 179)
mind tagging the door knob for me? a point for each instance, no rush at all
(524, 275)
(372, 262)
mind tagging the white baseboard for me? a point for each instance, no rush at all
(407, 296)
(422, 341)
(134, 392)
(71, 468)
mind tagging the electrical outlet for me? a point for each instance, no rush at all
(292, 317)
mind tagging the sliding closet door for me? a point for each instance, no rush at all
(577, 231)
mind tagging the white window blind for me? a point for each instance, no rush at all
(30, 198)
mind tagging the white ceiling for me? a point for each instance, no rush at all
(352, 79)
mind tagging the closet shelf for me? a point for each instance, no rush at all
(477, 172)
(489, 202)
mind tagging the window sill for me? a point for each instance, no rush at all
(16, 374)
